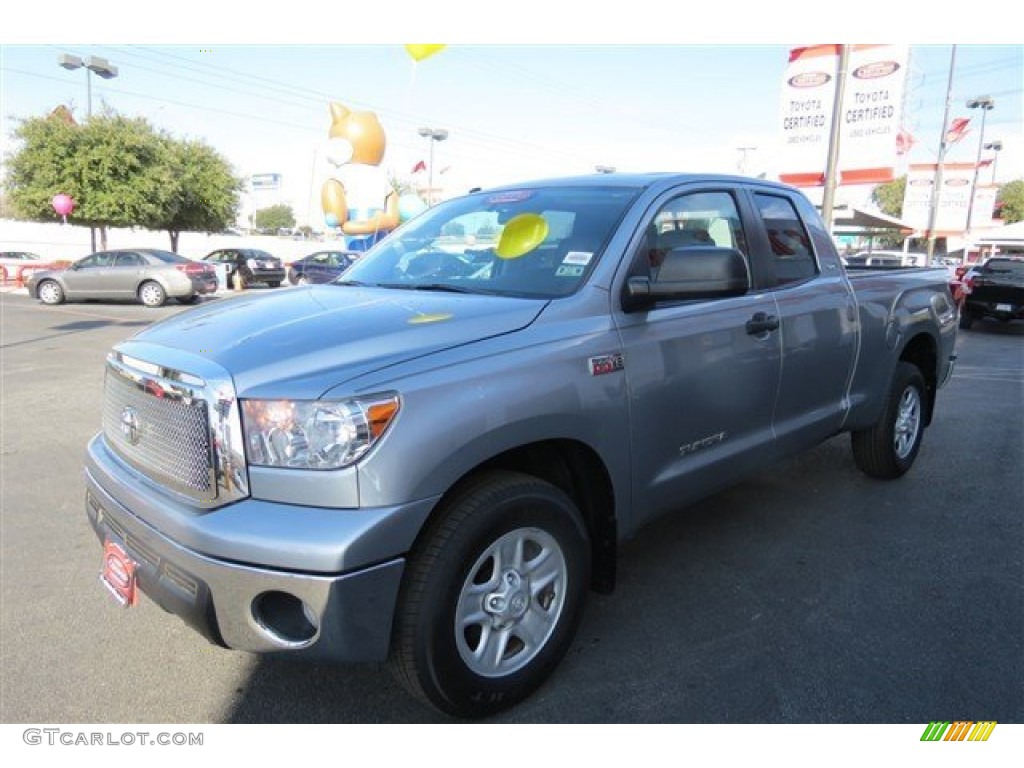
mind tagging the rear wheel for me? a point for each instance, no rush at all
(966, 319)
(152, 294)
(888, 449)
(50, 292)
(492, 595)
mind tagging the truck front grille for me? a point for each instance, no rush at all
(162, 433)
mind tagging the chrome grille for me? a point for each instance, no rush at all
(163, 434)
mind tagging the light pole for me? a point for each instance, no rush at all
(432, 134)
(741, 164)
(984, 103)
(997, 147)
(101, 67)
(104, 69)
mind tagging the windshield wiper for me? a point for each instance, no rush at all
(446, 287)
(355, 283)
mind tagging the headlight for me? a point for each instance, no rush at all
(315, 434)
(252, 263)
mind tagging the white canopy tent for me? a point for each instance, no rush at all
(1008, 239)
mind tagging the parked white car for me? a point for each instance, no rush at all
(11, 261)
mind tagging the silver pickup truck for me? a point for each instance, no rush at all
(433, 459)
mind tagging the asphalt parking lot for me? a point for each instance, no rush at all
(808, 594)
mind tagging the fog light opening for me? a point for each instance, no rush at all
(285, 617)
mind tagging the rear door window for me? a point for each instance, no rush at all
(790, 244)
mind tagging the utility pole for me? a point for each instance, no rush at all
(831, 171)
(933, 209)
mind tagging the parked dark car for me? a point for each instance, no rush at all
(320, 267)
(995, 289)
(253, 265)
(146, 274)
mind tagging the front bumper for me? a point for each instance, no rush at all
(260, 606)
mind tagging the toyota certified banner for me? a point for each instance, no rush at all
(951, 216)
(869, 121)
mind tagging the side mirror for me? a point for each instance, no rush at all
(688, 274)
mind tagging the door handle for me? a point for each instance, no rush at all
(762, 322)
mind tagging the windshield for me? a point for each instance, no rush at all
(529, 242)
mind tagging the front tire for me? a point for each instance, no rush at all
(152, 294)
(492, 595)
(888, 449)
(50, 292)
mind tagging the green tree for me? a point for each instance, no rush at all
(204, 193)
(274, 218)
(111, 166)
(889, 197)
(1010, 201)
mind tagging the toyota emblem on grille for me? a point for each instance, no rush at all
(130, 426)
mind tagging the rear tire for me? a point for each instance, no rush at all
(966, 320)
(152, 294)
(50, 292)
(888, 449)
(492, 595)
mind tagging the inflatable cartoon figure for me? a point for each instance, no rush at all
(359, 198)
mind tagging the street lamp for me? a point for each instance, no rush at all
(101, 67)
(984, 103)
(104, 69)
(433, 134)
(997, 147)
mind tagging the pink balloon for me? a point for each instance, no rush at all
(63, 204)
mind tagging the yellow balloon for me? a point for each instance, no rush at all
(421, 52)
(521, 235)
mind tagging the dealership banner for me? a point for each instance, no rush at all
(869, 121)
(951, 215)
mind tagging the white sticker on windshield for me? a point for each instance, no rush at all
(569, 271)
(578, 257)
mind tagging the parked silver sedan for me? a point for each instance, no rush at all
(145, 274)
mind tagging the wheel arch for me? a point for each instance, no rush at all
(578, 471)
(922, 351)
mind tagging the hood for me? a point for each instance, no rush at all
(300, 342)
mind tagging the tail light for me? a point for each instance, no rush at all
(193, 269)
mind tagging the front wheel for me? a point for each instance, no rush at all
(492, 595)
(888, 449)
(50, 292)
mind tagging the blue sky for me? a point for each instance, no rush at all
(513, 111)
